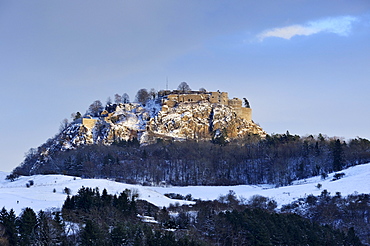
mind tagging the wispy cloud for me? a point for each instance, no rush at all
(339, 25)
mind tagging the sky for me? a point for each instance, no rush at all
(303, 65)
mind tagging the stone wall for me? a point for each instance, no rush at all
(213, 97)
(219, 97)
(178, 98)
(235, 102)
(88, 122)
(246, 113)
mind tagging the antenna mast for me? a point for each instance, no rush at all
(166, 83)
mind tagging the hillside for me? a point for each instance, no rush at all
(355, 180)
(41, 195)
(186, 138)
(168, 116)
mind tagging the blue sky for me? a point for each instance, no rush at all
(303, 65)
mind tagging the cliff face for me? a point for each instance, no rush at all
(200, 120)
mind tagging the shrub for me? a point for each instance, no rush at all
(67, 190)
(175, 196)
(12, 177)
(338, 176)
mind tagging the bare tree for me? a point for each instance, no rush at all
(95, 108)
(152, 93)
(117, 98)
(202, 89)
(125, 98)
(63, 125)
(183, 87)
(109, 100)
(76, 116)
(142, 96)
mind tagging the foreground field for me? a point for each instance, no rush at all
(47, 191)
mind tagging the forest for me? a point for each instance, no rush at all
(344, 213)
(92, 217)
(277, 159)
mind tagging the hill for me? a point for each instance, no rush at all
(48, 191)
(41, 196)
(278, 159)
(251, 219)
(165, 116)
(184, 138)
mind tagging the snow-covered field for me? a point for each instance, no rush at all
(41, 196)
(355, 180)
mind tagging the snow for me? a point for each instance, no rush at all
(147, 219)
(355, 180)
(41, 196)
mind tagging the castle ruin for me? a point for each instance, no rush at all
(169, 99)
(172, 98)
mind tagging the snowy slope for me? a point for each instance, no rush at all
(41, 195)
(355, 180)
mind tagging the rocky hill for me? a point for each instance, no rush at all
(172, 115)
(199, 120)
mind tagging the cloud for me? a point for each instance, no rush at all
(339, 25)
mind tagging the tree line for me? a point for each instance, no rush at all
(31, 228)
(142, 96)
(278, 159)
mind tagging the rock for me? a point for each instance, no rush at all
(199, 120)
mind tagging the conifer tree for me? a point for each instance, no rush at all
(90, 235)
(44, 231)
(27, 223)
(337, 151)
(59, 229)
(8, 219)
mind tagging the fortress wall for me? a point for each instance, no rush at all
(190, 98)
(242, 112)
(170, 103)
(88, 123)
(173, 97)
(212, 97)
(235, 102)
(246, 113)
(219, 97)
(215, 97)
(177, 98)
(224, 98)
